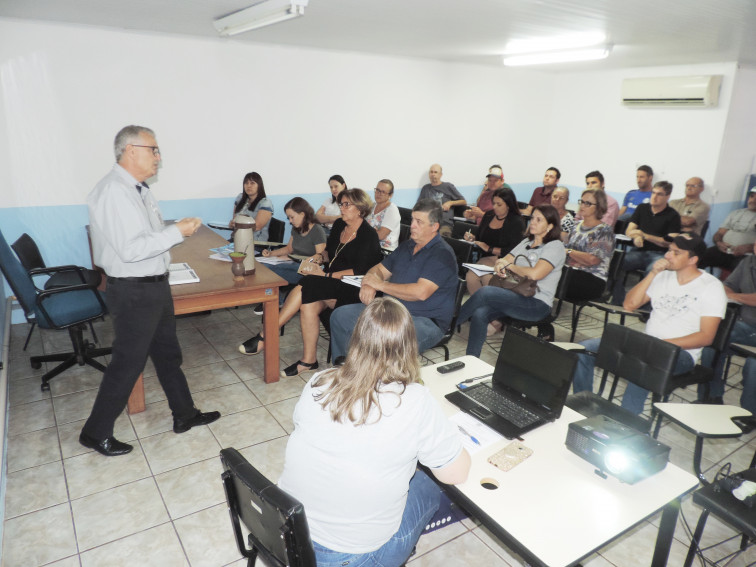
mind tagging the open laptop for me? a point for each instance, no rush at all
(528, 389)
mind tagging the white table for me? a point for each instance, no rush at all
(552, 508)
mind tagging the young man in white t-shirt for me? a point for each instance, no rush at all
(688, 305)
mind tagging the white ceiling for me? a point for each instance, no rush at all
(643, 32)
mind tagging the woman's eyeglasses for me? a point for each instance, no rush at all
(345, 205)
(586, 203)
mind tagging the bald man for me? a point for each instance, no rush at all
(445, 194)
(693, 211)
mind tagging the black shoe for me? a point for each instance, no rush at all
(258, 310)
(294, 370)
(182, 426)
(546, 332)
(251, 346)
(746, 423)
(718, 401)
(339, 360)
(110, 447)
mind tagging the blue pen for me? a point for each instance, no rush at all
(464, 432)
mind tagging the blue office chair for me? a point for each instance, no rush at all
(69, 307)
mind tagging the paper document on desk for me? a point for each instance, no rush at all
(479, 269)
(472, 428)
(272, 260)
(181, 273)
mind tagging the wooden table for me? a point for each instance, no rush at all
(217, 290)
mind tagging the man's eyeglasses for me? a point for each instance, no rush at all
(586, 203)
(345, 205)
(155, 149)
(382, 192)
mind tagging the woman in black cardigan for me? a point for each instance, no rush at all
(352, 249)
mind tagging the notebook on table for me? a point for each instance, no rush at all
(528, 388)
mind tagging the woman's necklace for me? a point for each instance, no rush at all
(500, 219)
(341, 245)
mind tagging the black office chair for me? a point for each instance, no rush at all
(638, 358)
(405, 215)
(404, 232)
(717, 499)
(460, 228)
(276, 230)
(615, 265)
(462, 251)
(31, 259)
(276, 521)
(705, 229)
(444, 341)
(58, 308)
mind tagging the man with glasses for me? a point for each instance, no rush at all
(650, 227)
(131, 242)
(445, 194)
(421, 273)
(385, 217)
(693, 211)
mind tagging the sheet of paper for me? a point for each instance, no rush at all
(470, 427)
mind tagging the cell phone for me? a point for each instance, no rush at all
(510, 456)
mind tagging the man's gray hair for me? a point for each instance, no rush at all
(128, 135)
(434, 210)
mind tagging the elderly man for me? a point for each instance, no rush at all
(421, 273)
(542, 195)
(650, 228)
(688, 305)
(735, 237)
(445, 194)
(693, 211)
(644, 177)
(494, 181)
(595, 180)
(131, 243)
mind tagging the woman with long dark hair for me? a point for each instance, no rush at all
(329, 211)
(541, 257)
(359, 431)
(253, 202)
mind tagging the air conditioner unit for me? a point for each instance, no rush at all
(696, 90)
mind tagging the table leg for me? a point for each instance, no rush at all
(666, 533)
(270, 331)
(136, 399)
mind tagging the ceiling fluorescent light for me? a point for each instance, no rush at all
(558, 56)
(539, 44)
(260, 15)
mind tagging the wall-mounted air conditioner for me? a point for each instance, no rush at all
(697, 90)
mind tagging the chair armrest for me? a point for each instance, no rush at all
(52, 270)
(48, 294)
(618, 309)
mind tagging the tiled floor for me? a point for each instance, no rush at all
(163, 504)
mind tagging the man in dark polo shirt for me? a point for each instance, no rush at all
(421, 273)
(542, 195)
(650, 224)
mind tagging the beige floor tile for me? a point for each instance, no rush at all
(33, 448)
(30, 417)
(73, 407)
(246, 428)
(26, 390)
(283, 411)
(208, 538)
(225, 337)
(208, 376)
(23, 545)
(67, 562)
(192, 488)
(199, 355)
(76, 379)
(153, 391)
(155, 547)
(285, 388)
(68, 434)
(33, 489)
(430, 541)
(463, 551)
(156, 418)
(117, 513)
(167, 451)
(91, 472)
(268, 457)
(226, 399)
(637, 548)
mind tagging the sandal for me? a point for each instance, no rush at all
(252, 346)
(294, 370)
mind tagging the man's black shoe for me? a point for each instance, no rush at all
(182, 426)
(339, 360)
(110, 447)
(717, 401)
(746, 423)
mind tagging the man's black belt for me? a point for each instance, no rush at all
(142, 279)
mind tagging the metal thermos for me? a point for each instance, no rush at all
(244, 241)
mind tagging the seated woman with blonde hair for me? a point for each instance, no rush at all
(359, 431)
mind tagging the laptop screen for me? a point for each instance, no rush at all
(537, 371)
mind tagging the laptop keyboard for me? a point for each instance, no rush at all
(503, 406)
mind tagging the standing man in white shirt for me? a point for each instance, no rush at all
(131, 242)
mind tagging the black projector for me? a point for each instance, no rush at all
(617, 449)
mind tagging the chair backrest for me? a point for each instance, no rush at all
(722, 338)
(406, 215)
(705, 228)
(276, 230)
(637, 357)
(276, 521)
(615, 267)
(459, 229)
(404, 232)
(18, 278)
(28, 253)
(462, 251)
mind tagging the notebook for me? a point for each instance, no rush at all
(528, 389)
